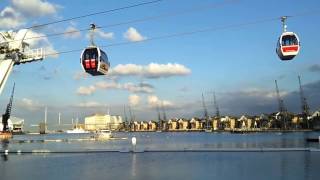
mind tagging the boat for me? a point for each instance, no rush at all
(77, 131)
(103, 135)
(313, 139)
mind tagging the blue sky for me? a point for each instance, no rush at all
(240, 64)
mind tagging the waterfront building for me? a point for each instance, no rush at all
(183, 124)
(135, 126)
(165, 126)
(195, 124)
(316, 114)
(103, 122)
(216, 123)
(172, 125)
(144, 126)
(264, 121)
(298, 121)
(315, 117)
(152, 126)
(229, 123)
(246, 122)
(284, 120)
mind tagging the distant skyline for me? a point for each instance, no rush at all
(240, 64)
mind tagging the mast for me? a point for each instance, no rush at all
(125, 117)
(7, 114)
(205, 112)
(45, 117)
(159, 118)
(304, 104)
(216, 105)
(125, 113)
(164, 112)
(131, 115)
(282, 109)
(59, 119)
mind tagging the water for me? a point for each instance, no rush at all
(164, 165)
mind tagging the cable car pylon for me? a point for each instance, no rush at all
(14, 50)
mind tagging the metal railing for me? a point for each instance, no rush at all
(33, 55)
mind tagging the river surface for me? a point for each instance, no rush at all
(193, 155)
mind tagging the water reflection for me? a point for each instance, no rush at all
(4, 146)
(307, 163)
(161, 141)
(133, 165)
(159, 166)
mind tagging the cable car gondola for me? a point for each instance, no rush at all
(288, 44)
(94, 60)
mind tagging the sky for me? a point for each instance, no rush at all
(238, 63)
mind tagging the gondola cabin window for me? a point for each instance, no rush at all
(289, 41)
(90, 57)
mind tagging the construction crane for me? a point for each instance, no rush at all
(7, 114)
(282, 109)
(216, 105)
(163, 111)
(14, 50)
(159, 118)
(132, 118)
(164, 127)
(205, 112)
(125, 117)
(304, 104)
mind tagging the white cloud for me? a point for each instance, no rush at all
(133, 35)
(108, 85)
(10, 18)
(35, 8)
(134, 100)
(104, 35)
(134, 88)
(140, 88)
(86, 91)
(127, 69)
(29, 104)
(80, 75)
(256, 92)
(72, 32)
(90, 104)
(153, 70)
(101, 34)
(20, 11)
(154, 101)
(42, 42)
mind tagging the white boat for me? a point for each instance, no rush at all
(103, 135)
(77, 131)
